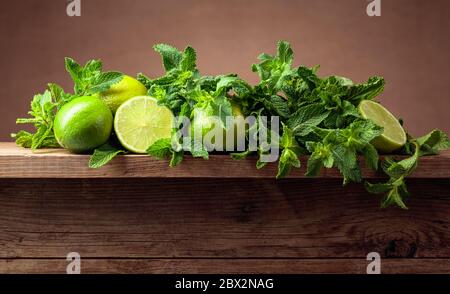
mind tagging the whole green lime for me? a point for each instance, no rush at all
(83, 124)
(206, 123)
(124, 90)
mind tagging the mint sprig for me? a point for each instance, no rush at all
(42, 115)
(88, 79)
(395, 189)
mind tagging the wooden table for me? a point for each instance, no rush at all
(137, 215)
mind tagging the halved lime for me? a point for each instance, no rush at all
(394, 136)
(140, 122)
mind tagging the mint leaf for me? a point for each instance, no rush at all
(92, 67)
(198, 150)
(176, 159)
(188, 60)
(395, 192)
(348, 109)
(74, 70)
(362, 132)
(161, 149)
(104, 154)
(82, 75)
(378, 188)
(223, 84)
(395, 188)
(314, 166)
(371, 156)
(146, 81)
(241, 155)
(89, 79)
(403, 168)
(303, 121)
(278, 106)
(104, 81)
(274, 70)
(58, 95)
(396, 196)
(260, 163)
(366, 91)
(195, 147)
(221, 108)
(289, 155)
(288, 159)
(346, 161)
(433, 142)
(321, 156)
(43, 133)
(284, 52)
(42, 116)
(23, 139)
(171, 56)
(299, 86)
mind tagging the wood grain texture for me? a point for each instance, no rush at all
(223, 216)
(219, 218)
(16, 162)
(225, 266)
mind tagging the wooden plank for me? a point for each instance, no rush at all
(16, 162)
(225, 266)
(247, 218)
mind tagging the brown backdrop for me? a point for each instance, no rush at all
(409, 44)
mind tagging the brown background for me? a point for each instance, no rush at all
(409, 44)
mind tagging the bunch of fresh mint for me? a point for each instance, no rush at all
(319, 116)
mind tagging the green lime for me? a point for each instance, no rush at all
(393, 137)
(126, 89)
(206, 123)
(140, 122)
(83, 124)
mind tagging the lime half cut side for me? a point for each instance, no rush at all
(140, 122)
(394, 136)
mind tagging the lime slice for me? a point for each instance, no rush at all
(140, 122)
(393, 137)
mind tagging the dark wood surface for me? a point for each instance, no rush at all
(219, 223)
(201, 225)
(225, 266)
